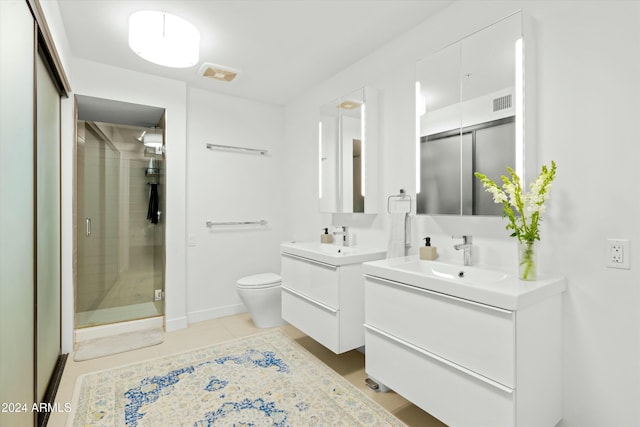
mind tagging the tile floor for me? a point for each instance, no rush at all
(350, 365)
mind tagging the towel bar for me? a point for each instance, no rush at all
(407, 217)
(401, 196)
(213, 224)
(232, 148)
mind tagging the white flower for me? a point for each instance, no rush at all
(510, 190)
(530, 205)
(533, 208)
(498, 195)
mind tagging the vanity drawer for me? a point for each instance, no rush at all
(476, 336)
(313, 279)
(312, 317)
(454, 395)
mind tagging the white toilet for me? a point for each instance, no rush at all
(260, 293)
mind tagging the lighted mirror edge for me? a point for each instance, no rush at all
(362, 150)
(418, 115)
(320, 160)
(519, 58)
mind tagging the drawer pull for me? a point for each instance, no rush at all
(439, 359)
(312, 301)
(438, 294)
(309, 260)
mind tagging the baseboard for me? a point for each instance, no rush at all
(175, 324)
(214, 313)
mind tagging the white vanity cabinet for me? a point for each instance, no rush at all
(466, 362)
(324, 301)
(323, 291)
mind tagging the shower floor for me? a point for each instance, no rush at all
(123, 313)
(130, 298)
(132, 287)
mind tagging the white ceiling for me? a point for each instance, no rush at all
(281, 47)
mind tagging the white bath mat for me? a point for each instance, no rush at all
(99, 347)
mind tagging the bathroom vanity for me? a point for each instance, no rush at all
(323, 291)
(471, 346)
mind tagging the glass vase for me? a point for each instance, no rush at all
(527, 261)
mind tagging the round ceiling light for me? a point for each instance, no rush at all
(164, 39)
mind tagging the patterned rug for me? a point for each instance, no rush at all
(261, 380)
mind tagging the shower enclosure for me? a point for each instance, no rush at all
(120, 234)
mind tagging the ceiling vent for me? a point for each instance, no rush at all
(217, 72)
(502, 103)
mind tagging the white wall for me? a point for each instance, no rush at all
(588, 99)
(231, 186)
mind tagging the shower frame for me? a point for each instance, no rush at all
(159, 256)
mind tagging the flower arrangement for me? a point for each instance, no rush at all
(524, 210)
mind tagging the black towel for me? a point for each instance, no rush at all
(154, 204)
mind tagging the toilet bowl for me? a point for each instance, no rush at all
(260, 293)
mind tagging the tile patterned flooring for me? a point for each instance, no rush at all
(350, 364)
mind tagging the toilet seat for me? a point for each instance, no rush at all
(259, 281)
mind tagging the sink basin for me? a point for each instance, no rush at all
(485, 285)
(336, 250)
(332, 254)
(457, 273)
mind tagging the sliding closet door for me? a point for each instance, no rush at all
(16, 211)
(47, 227)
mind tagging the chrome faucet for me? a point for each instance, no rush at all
(467, 246)
(344, 233)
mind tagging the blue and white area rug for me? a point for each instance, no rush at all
(261, 380)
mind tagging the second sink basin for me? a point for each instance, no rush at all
(332, 254)
(440, 270)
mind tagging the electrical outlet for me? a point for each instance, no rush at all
(617, 254)
(157, 296)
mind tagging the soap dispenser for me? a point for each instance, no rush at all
(428, 252)
(326, 237)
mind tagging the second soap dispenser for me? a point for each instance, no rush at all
(428, 252)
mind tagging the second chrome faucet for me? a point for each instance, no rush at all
(467, 246)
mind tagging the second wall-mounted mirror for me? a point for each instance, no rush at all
(469, 102)
(347, 153)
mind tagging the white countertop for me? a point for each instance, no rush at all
(332, 254)
(484, 285)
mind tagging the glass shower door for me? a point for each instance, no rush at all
(120, 250)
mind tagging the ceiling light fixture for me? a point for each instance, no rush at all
(164, 39)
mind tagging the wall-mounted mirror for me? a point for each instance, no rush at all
(347, 149)
(469, 117)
